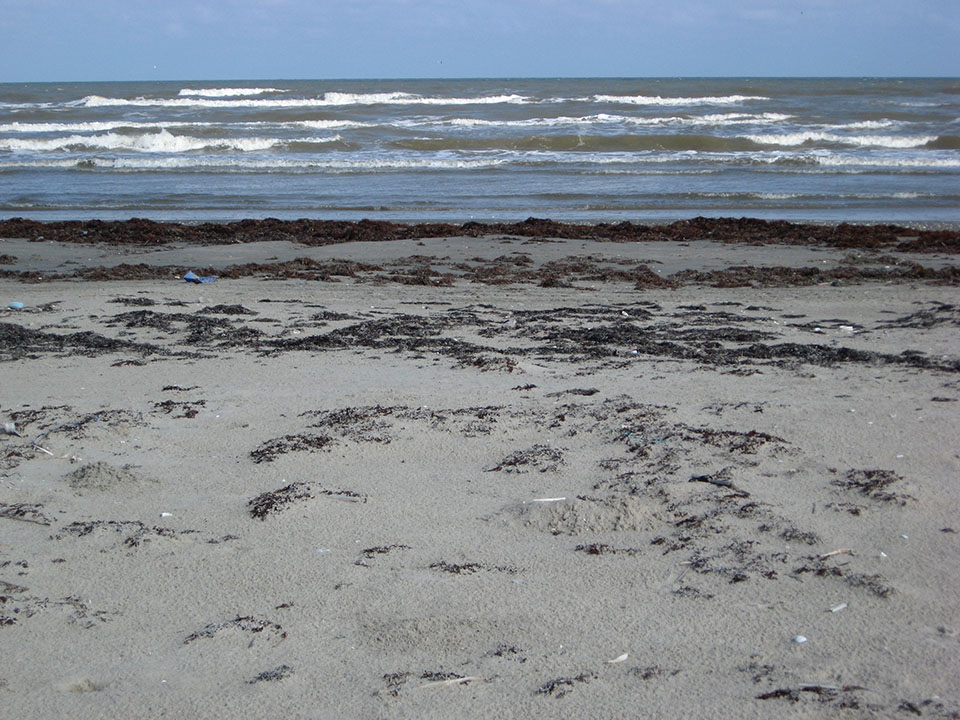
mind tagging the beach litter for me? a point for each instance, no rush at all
(191, 277)
(834, 553)
(800, 639)
(11, 429)
(448, 683)
(15, 305)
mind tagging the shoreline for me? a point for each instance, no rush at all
(317, 232)
(720, 253)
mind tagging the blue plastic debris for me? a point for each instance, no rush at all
(16, 305)
(191, 277)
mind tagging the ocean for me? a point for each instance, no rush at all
(585, 150)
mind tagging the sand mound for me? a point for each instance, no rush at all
(436, 633)
(103, 476)
(585, 516)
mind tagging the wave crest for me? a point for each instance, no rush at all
(227, 92)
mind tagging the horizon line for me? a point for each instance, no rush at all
(492, 77)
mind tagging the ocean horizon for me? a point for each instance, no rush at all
(457, 150)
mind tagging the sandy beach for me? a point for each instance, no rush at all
(492, 475)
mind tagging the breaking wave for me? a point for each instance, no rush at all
(161, 142)
(330, 99)
(804, 138)
(657, 100)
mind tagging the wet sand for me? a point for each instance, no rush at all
(496, 476)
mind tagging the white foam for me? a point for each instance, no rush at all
(18, 127)
(657, 100)
(329, 124)
(336, 163)
(864, 125)
(609, 119)
(329, 99)
(228, 92)
(800, 138)
(887, 162)
(160, 142)
(739, 119)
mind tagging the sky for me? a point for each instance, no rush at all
(77, 40)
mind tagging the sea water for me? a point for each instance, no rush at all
(456, 150)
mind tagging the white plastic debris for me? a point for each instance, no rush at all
(166, 514)
(838, 608)
(800, 639)
(11, 429)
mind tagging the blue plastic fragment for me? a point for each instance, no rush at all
(191, 277)
(16, 305)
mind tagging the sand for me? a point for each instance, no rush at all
(365, 497)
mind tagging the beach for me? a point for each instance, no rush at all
(495, 471)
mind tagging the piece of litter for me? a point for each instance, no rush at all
(838, 608)
(191, 277)
(556, 499)
(799, 639)
(446, 683)
(15, 305)
(11, 429)
(841, 551)
(323, 550)
(618, 659)
(905, 537)
(166, 514)
(882, 554)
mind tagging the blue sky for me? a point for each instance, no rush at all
(271, 39)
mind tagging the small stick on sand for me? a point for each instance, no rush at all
(445, 683)
(841, 551)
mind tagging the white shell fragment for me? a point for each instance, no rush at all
(618, 659)
(838, 608)
(800, 639)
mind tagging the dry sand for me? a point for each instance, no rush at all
(376, 499)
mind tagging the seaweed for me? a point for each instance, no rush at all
(542, 457)
(274, 501)
(271, 449)
(872, 484)
(562, 686)
(278, 673)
